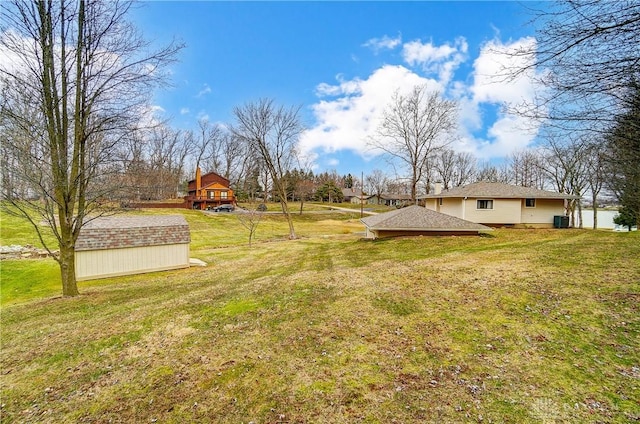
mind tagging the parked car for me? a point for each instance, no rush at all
(224, 208)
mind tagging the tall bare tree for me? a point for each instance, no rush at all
(488, 172)
(84, 73)
(273, 132)
(596, 175)
(525, 168)
(454, 169)
(464, 169)
(376, 182)
(413, 128)
(586, 54)
(565, 163)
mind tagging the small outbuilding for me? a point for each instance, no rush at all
(416, 220)
(123, 245)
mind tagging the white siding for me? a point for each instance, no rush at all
(91, 264)
(451, 207)
(543, 212)
(431, 204)
(505, 211)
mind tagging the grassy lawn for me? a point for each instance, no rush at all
(523, 326)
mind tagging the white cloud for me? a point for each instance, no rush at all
(440, 60)
(495, 60)
(348, 111)
(332, 162)
(507, 133)
(150, 116)
(383, 43)
(10, 61)
(349, 120)
(204, 91)
(203, 116)
(184, 111)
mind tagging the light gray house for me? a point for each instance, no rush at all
(389, 199)
(415, 220)
(122, 245)
(354, 195)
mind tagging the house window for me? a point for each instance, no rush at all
(223, 194)
(211, 194)
(529, 203)
(485, 204)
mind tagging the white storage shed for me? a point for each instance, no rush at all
(122, 245)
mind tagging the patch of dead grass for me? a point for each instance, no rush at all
(506, 329)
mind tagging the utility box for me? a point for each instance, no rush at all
(560, 221)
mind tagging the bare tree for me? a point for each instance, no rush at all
(207, 140)
(595, 176)
(84, 73)
(525, 168)
(231, 155)
(464, 169)
(488, 172)
(168, 150)
(376, 182)
(586, 54)
(565, 163)
(445, 167)
(272, 131)
(250, 219)
(413, 128)
(454, 169)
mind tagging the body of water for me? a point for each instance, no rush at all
(605, 220)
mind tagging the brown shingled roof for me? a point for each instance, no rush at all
(116, 232)
(418, 218)
(499, 191)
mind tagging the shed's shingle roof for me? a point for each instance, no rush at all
(499, 191)
(417, 218)
(116, 232)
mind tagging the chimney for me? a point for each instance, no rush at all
(198, 181)
(437, 189)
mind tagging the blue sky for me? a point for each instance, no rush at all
(341, 61)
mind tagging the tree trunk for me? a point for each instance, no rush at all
(287, 214)
(68, 269)
(595, 215)
(580, 214)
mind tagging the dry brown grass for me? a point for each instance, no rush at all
(523, 326)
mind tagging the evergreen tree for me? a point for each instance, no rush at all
(623, 157)
(348, 181)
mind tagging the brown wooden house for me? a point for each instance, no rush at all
(208, 191)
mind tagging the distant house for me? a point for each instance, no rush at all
(415, 220)
(388, 199)
(498, 204)
(208, 191)
(351, 195)
(123, 245)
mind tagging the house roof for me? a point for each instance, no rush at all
(499, 191)
(116, 232)
(207, 179)
(391, 196)
(350, 192)
(418, 218)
